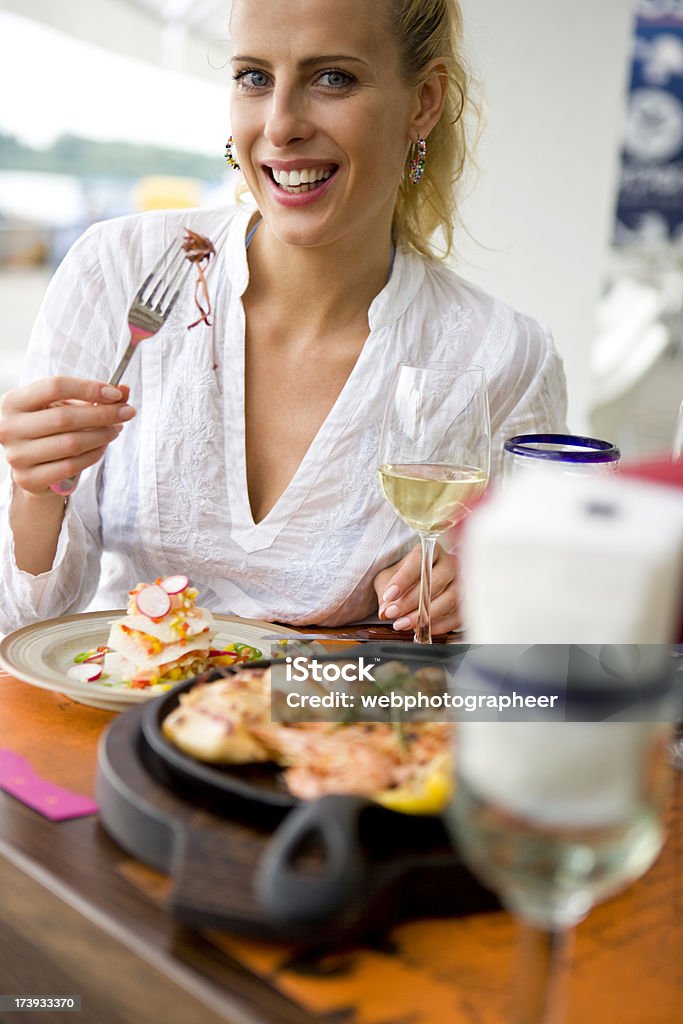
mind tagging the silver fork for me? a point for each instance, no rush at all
(148, 313)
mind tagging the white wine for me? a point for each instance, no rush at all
(557, 815)
(553, 875)
(430, 497)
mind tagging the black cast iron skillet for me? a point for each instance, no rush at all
(226, 786)
(317, 860)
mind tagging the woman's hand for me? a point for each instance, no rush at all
(398, 591)
(57, 427)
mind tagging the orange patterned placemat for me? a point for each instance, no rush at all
(61, 743)
(425, 972)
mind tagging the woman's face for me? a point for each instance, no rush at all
(320, 116)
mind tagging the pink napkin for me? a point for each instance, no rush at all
(19, 780)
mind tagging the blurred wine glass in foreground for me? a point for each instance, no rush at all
(434, 456)
(677, 447)
(558, 815)
(676, 751)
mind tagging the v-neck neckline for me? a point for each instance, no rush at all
(250, 535)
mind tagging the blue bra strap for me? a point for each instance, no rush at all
(251, 233)
(391, 264)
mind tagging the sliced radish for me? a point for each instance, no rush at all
(175, 584)
(98, 656)
(153, 602)
(85, 673)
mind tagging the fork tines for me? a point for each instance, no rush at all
(171, 269)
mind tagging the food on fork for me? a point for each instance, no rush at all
(199, 250)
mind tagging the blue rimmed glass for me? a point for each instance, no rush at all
(571, 453)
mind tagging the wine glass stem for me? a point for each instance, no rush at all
(542, 974)
(423, 633)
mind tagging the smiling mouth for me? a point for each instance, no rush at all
(307, 179)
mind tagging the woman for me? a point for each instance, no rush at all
(251, 462)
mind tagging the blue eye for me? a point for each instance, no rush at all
(251, 79)
(336, 79)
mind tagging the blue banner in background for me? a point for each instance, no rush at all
(650, 201)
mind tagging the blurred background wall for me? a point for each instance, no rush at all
(115, 105)
(554, 76)
(575, 93)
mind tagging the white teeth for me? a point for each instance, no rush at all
(301, 180)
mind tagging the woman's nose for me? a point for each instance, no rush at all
(287, 121)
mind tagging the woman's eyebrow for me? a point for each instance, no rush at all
(329, 58)
(326, 58)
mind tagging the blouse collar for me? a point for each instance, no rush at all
(387, 306)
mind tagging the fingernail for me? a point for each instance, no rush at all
(390, 593)
(402, 624)
(126, 412)
(110, 394)
(117, 428)
(392, 611)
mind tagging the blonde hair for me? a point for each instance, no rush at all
(425, 30)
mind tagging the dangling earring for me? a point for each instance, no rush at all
(230, 160)
(416, 167)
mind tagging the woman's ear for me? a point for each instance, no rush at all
(430, 96)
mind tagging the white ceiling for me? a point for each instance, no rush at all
(187, 36)
(207, 18)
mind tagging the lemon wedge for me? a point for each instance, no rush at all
(427, 794)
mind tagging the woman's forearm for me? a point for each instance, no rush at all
(36, 521)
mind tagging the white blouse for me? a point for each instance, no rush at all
(170, 494)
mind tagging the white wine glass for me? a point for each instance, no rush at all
(434, 456)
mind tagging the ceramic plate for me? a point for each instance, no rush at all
(42, 653)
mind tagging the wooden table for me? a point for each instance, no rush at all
(79, 916)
